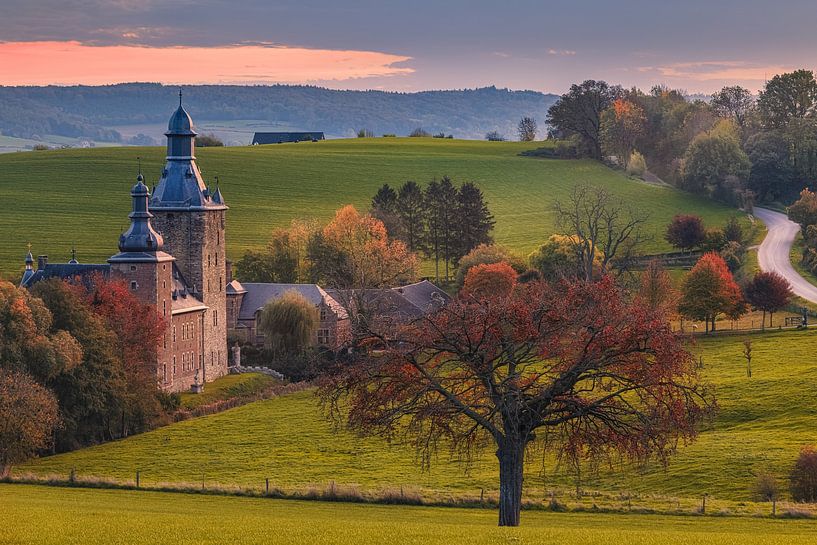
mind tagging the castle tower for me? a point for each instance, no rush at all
(192, 221)
(142, 263)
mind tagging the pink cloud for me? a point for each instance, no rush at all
(70, 63)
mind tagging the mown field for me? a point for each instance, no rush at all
(44, 516)
(54, 199)
(761, 425)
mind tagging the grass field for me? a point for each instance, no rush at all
(44, 516)
(54, 199)
(762, 423)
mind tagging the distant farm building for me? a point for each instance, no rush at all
(261, 138)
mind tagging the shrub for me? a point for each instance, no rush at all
(40, 147)
(685, 231)
(637, 165)
(419, 132)
(766, 488)
(364, 133)
(494, 136)
(803, 477)
(208, 141)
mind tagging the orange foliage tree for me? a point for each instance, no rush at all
(487, 279)
(710, 290)
(577, 367)
(28, 417)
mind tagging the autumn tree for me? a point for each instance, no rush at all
(288, 324)
(489, 279)
(621, 126)
(557, 258)
(487, 254)
(601, 227)
(28, 417)
(710, 290)
(769, 292)
(803, 477)
(578, 112)
(656, 290)
(512, 372)
(685, 231)
(29, 342)
(712, 159)
(526, 129)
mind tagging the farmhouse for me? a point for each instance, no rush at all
(261, 138)
(387, 307)
(173, 257)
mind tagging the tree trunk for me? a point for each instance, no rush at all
(763, 323)
(511, 468)
(5, 470)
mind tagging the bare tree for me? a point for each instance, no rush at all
(606, 231)
(527, 129)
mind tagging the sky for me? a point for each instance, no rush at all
(697, 46)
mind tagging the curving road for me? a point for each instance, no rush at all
(774, 252)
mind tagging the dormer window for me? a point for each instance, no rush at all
(134, 285)
(133, 268)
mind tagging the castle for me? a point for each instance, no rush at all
(173, 257)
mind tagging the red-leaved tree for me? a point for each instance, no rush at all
(489, 278)
(769, 292)
(579, 364)
(138, 330)
(710, 290)
(686, 231)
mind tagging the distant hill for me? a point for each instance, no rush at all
(117, 113)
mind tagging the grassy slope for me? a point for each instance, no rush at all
(44, 516)
(763, 421)
(56, 198)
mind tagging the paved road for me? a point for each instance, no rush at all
(774, 251)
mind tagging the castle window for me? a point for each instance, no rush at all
(323, 314)
(220, 284)
(208, 260)
(164, 372)
(133, 268)
(174, 333)
(174, 366)
(164, 340)
(323, 336)
(215, 317)
(134, 285)
(164, 267)
(164, 307)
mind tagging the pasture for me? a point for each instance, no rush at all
(59, 198)
(44, 516)
(761, 424)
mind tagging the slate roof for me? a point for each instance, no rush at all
(282, 137)
(424, 295)
(259, 294)
(67, 271)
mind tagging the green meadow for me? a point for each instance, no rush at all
(761, 424)
(59, 198)
(43, 516)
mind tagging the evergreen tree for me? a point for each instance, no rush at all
(384, 208)
(411, 211)
(474, 221)
(442, 206)
(435, 224)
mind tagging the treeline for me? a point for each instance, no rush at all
(91, 110)
(442, 221)
(77, 367)
(735, 147)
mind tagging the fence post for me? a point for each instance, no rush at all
(703, 504)
(267, 488)
(72, 477)
(482, 496)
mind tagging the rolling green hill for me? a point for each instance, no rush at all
(45, 516)
(58, 198)
(762, 423)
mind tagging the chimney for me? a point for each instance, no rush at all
(228, 265)
(42, 261)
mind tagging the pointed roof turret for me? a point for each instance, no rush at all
(29, 272)
(181, 186)
(140, 242)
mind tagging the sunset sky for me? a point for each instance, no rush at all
(406, 46)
